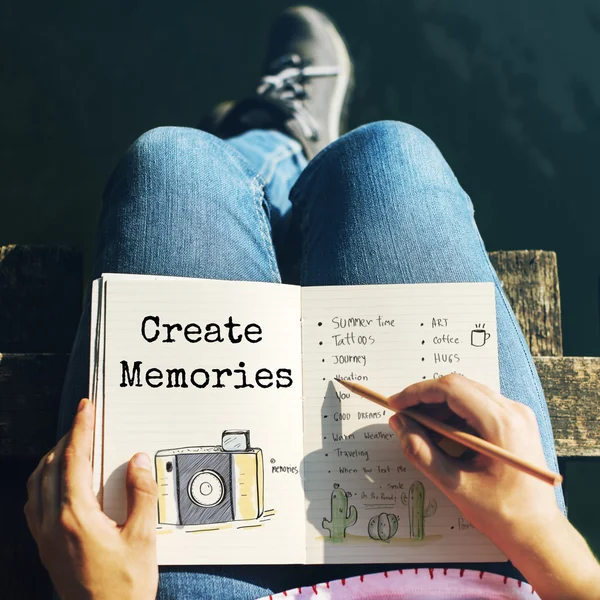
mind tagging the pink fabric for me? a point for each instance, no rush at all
(421, 584)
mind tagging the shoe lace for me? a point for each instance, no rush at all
(287, 88)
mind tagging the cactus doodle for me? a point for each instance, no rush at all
(417, 513)
(383, 527)
(342, 517)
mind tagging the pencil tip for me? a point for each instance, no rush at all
(336, 379)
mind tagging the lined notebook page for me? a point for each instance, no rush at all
(364, 501)
(96, 384)
(213, 507)
(96, 380)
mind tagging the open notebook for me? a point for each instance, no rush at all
(259, 455)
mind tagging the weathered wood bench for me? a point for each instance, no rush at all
(40, 302)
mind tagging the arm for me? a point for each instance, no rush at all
(87, 555)
(515, 510)
(555, 559)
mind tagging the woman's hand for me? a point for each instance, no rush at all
(516, 511)
(87, 554)
(493, 496)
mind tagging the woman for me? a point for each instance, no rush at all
(272, 191)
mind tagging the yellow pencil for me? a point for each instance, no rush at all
(462, 437)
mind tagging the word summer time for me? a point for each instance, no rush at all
(136, 374)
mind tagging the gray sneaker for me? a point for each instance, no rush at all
(305, 88)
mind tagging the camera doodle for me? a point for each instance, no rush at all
(211, 484)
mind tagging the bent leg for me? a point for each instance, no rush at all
(184, 203)
(381, 206)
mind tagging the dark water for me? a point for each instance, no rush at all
(510, 92)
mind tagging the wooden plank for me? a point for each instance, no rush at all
(530, 280)
(572, 388)
(30, 389)
(40, 298)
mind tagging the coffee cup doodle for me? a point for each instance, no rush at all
(479, 336)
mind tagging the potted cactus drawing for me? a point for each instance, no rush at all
(342, 516)
(417, 513)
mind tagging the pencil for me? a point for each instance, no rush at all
(462, 437)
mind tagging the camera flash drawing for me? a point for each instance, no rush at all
(202, 485)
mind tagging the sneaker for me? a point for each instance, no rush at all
(305, 88)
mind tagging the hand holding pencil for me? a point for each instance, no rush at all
(493, 495)
(455, 441)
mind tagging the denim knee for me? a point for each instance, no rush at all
(165, 140)
(403, 140)
(184, 202)
(164, 156)
(391, 158)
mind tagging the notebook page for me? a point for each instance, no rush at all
(96, 384)
(94, 336)
(227, 459)
(95, 381)
(365, 502)
(98, 338)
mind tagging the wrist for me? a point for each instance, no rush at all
(529, 530)
(552, 556)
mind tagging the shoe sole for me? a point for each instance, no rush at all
(340, 99)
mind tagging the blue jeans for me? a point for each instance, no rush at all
(379, 205)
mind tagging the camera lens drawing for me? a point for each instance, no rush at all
(202, 485)
(206, 488)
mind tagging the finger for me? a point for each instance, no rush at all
(442, 412)
(76, 482)
(142, 496)
(33, 506)
(492, 394)
(463, 398)
(50, 484)
(422, 452)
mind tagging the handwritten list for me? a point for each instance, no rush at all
(362, 496)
